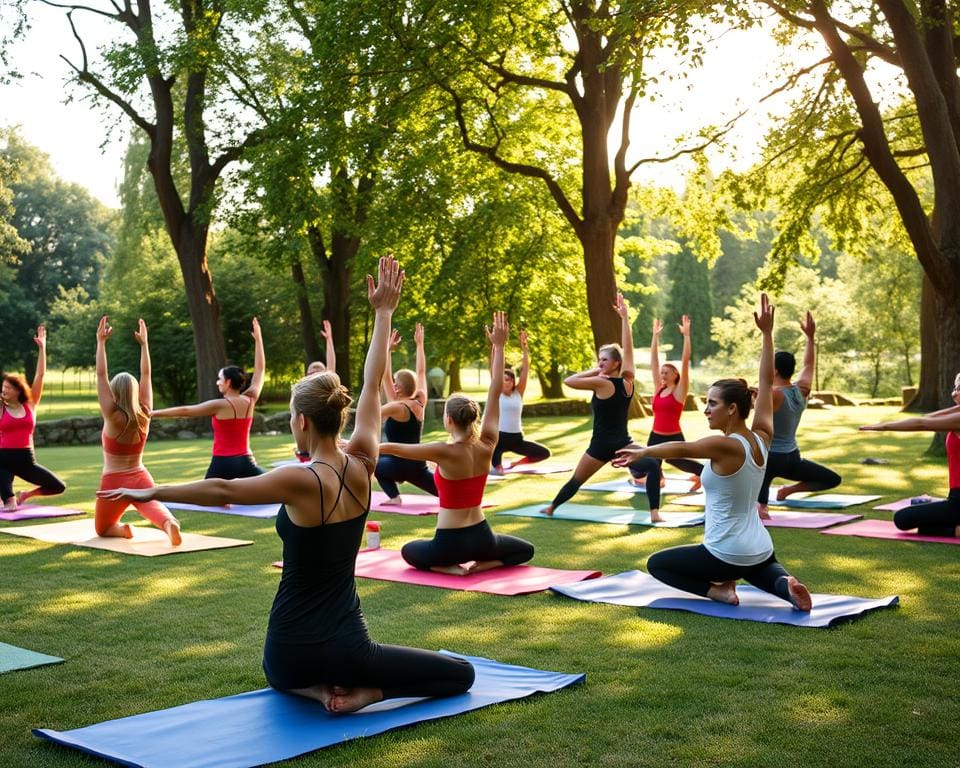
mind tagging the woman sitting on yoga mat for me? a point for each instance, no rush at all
(406, 396)
(231, 416)
(789, 400)
(463, 542)
(935, 518)
(670, 387)
(125, 407)
(511, 408)
(735, 543)
(317, 641)
(611, 382)
(17, 423)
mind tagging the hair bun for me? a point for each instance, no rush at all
(339, 397)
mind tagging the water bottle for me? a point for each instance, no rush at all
(373, 535)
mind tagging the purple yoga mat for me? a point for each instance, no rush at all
(780, 519)
(30, 512)
(896, 506)
(885, 529)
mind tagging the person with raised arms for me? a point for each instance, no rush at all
(935, 518)
(331, 365)
(18, 421)
(464, 542)
(789, 401)
(125, 406)
(736, 545)
(403, 412)
(231, 415)
(511, 408)
(317, 644)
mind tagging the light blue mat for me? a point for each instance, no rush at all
(800, 501)
(12, 657)
(265, 726)
(673, 487)
(615, 515)
(241, 510)
(639, 589)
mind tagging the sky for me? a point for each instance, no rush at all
(85, 144)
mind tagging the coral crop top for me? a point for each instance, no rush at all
(460, 494)
(17, 433)
(231, 437)
(666, 414)
(115, 448)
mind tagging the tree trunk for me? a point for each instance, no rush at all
(337, 271)
(948, 325)
(204, 308)
(928, 389)
(453, 372)
(551, 382)
(308, 332)
(597, 243)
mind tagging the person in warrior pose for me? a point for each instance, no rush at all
(231, 415)
(317, 642)
(464, 542)
(736, 545)
(18, 420)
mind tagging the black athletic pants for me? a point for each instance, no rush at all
(232, 467)
(455, 546)
(792, 467)
(935, 518)
(392, 470)
(514, 442)
(20, 462)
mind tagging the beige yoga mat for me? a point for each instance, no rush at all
(147, 541)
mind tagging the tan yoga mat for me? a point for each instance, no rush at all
(146, 541)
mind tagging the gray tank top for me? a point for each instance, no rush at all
(786, 420)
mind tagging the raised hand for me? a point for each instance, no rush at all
(764, 317)
(621, 308)
(255, 329)
(500, 331)
(684, 326)
(808, 326)
(327, 332)
(523, 342)
(141, 333)
(41, 338)
(104, 331)
(657, 327)
(394, 340)
(385, 293)
(418, 334)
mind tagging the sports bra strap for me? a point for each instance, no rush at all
(342, 475)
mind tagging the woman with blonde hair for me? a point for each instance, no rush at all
(17, 423)
(318, 645)
(464, 542)
(125, 405)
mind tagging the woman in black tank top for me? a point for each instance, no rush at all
(403, 414)
(317, 642)
(611, 382)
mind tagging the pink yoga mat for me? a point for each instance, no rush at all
(792, 519)
(30, 512)
(885, 529)
(896, 506)
(413, 504)
(386, 564)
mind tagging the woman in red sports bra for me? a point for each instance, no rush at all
(125, 406)
(17, 422)
(231, 416)
(463, 542)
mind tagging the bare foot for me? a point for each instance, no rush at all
(639, 482)
(10, 505)
(655, 516)
(786, 491)
(496, 470)
(548, 511)
(763, 511)
(321, 693)
(479, 566)
(172, 529)
(396, 501)
(22, 496)
(663, 481)
(118, 531)
(799, 595)
(346, 700)
(451, 570)
(724, 592)
(695, 483)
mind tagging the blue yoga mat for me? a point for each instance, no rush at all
(615, 515)
(265, 726)
(12, 657)
(641, 590)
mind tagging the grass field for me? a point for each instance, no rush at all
(662, 689)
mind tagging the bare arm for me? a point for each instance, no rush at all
(942, 422)
(804, 381)
(421, 393)
(383, 297)
(589, 380)
(627, 366)
(437, 452)
(330, 348)
(683, 386)
(490, 425)
(715, 448)
(41, 341)
(146, 376)
(387, 380)
(524, 364)
(763, 409)
(944, 411)
(259, 364)
(655, 354)
(206, 408)
(108, 406)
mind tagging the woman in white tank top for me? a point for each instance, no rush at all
(735, 543)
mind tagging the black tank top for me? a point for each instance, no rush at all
(610, 414)
(317, 597)
(408, 431)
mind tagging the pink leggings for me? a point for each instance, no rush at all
(108, 513)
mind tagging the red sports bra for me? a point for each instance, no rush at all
(460, 494)
(231, 437)
(115, 448)
(666, 414)
(17, 433)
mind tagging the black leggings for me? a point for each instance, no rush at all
(455, 546)
(693, 569)
(232, 467)
(392, 470)
(792, 467)
(686, 465)
(20, 462)
(602, 449)
(362, 663)
(935, 518)
(514, 442)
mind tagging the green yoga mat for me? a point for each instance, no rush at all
(614, 515)
(12, 657)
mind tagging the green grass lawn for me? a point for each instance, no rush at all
(663, 688)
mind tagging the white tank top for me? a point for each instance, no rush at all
(511, 406)
(733, 531)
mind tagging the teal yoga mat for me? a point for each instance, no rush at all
(614, 515)
(799, 501)
(12, 657)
